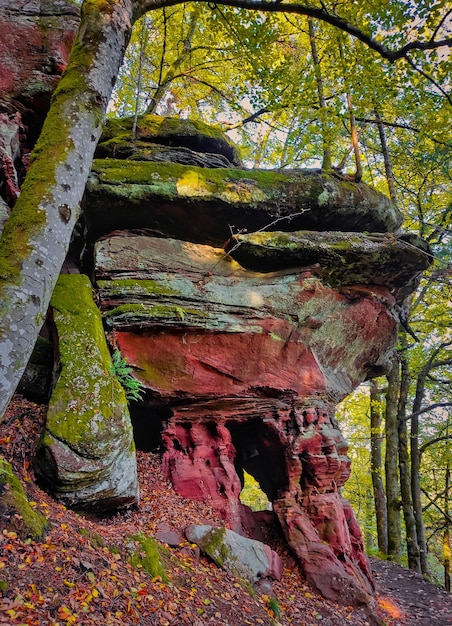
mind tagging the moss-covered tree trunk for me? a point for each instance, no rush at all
(391, 470)
(376, 466)
(37, 235)
(404, 463)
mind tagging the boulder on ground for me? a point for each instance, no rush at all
(243, 557)
(86, 455)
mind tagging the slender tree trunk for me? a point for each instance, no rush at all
(326, 139)
(446, 537)
(355, 139)
(376, 467)
(416, 473)
(143, 37)
(174, 68)
(351, 114)
(386, 158)
(392, 446)
(36, 237)
(404, 464)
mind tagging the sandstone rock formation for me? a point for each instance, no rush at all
(245, 361)
(40, 34)
(244, 352)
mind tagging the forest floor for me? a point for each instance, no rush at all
(81, 572)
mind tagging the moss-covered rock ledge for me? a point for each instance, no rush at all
(156, 138)
(202, 205)
(86, 456)
(341, 259)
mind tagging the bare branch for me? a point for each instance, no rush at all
(413, 129)
(431, 442)
(427, 409)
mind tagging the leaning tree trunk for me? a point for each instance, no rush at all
(392, 483)
(376, 467)
(37, 235)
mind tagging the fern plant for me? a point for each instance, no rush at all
(134, 388)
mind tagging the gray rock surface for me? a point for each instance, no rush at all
(241, 556)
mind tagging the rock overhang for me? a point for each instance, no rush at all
(245, 347)
(203, 205)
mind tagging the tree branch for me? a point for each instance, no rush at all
(321, 14)
(431, 407)
(431, 442)
(429, 78)
(366, 120)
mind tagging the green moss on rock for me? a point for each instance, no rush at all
(151, 556)
(88, 402)
(159, 311)
(214, 545)
(172, 131)
(130, 286)
(16, 512)
(86, 454)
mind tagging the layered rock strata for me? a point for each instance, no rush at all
(244, 351)
(249, 367)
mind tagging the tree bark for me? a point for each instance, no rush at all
(404, 464)
(392, 484)
(326, 133)
(36, 237)
(446, 537)
(415, 474)
(376, 467)
(386, 158)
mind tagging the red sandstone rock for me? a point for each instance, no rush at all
(35, 42)
(250, 367)
(40, 34)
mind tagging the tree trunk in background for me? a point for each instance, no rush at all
(36, 237)
(404, 462)
(173, 69)
(415, 474)
(326, 139)
(386, 158)
(446, 538)
(392, 446)
(376, 467)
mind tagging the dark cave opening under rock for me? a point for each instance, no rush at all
(148, 421)
(260, 453)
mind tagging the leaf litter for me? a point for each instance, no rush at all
(82, 572)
